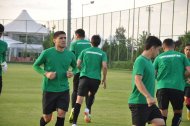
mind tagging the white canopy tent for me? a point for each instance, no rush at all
(25, 24)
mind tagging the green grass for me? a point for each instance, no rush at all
(20, 102)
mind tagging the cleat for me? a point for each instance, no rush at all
(87, 117)
(71, 117)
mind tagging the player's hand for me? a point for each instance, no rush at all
(4, 66)
(150, 101)
(69, 74)
(50, 75)
(104, 83)
(188, 80)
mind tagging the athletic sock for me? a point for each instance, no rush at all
(42, 122)
(60, 121)
(176, 119)
(76, 112)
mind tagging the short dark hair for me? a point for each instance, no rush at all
(188, 44)
(80, 32)
(95, 40)
(57, 33)
(1, 28)
(168, 42)
(152, 41)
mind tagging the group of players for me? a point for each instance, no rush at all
(171, 69)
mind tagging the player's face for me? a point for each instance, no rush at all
(187, 51)
(155, 51)
(60, 41)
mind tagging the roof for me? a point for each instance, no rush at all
(24, 23)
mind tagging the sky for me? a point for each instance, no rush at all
(57, 9)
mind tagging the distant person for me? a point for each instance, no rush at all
(77, 47)
(90, 62)
(56, 62)
(187, 87)
(170, 67)
(141, 101)
(3, 49)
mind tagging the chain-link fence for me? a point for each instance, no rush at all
(166, 20)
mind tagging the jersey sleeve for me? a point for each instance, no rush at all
(104, 57)
(138, 67)
(73, 62)
(72, 47)
(39, 61)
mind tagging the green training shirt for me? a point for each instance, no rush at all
(77, 47)
(55, 61)
(187, 84)
(3, 49)
(144, 67)
(170, 67)
(92, 59)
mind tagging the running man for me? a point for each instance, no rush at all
(170, 67)
(56, 62)
(91, 61)
(187, 87)
(141, 101)
(77, 47)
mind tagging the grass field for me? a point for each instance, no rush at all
(20, 102)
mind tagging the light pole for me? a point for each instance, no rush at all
(91, 2)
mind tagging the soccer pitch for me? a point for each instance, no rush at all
(20, 102)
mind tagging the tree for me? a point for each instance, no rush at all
(48, 42)
(121, 48)
(182, 41)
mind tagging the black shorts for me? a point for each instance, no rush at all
(142, 114)
(166, 95)
(87, 84)
(187, 92)
(53, 100)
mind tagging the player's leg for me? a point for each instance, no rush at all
(75, 89)
(163, 102)
(176, 99)
(93, 88)
(48, 101)
(137, 113)
(62, 106)
(82, 91)
(74, 95)
(155, 116)
(187, 101)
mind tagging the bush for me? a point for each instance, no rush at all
(122, 64)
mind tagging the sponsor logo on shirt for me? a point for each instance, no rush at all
(96, 53)
(170, 56)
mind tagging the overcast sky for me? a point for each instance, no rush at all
(57, 9)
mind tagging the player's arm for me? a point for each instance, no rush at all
(79, 64)
(37, 64)
(140, 86)
(104, 71)
(79, 60)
